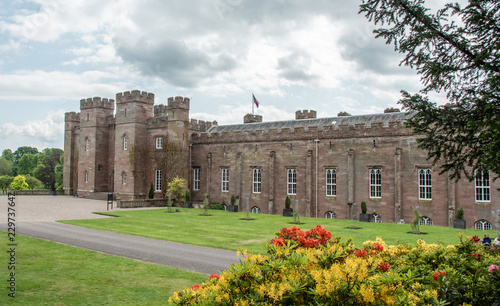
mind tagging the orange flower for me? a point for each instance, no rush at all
(436, 275)
(195, 287)
(378, 246)
(360, 253)
(212, 276)
(384, 267)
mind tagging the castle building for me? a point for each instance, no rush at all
(326, 166)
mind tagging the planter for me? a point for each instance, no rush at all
(232, 208)
(287, 212)
(459, 223)
(364, 217)
(187, 205)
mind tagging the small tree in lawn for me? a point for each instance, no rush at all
(19, 183)
(5, 181)
(151, 194)
(206, 205)
(177, 188)
(415, 222)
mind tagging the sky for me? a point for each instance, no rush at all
(292, 55)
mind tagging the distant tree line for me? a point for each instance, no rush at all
(38, 169)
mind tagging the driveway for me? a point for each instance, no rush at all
(36, 216)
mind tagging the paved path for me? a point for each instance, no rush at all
(35, 216)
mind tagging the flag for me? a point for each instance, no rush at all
(255, 101)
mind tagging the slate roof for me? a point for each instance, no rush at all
(319, 122)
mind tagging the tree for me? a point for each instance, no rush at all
(5, 166)
(27, 163)
(32, 182)
(23, 150)
(455, 50)
(5, 181)
(177, 188)
(45, 170)
(8, 155)
(59, 172)
(19, 183)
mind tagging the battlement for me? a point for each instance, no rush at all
(160, 110)
(200, 125)
(72, 116)
(178, 102)
(251, 118)
(305, 114)
(97, 102)
(135, 96)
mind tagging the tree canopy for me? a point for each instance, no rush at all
(455, 50)
(19, 183)
(5, 166)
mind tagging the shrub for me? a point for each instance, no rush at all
(151, 194)
(460, 214)
(302, 268)
(288, 202)
(363, 207)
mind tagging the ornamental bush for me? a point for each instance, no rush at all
(312, 267)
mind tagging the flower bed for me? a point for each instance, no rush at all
(312, 267)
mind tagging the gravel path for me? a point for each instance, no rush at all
(35, 216)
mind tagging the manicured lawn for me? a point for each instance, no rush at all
(227, 230)
(49, 273)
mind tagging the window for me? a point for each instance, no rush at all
(375, 183)
(125, 142)
(255, 210)
(424, 184)
(196, 179)
(87, 144)
(124, 178)
(159, 142)
(330, 215)
(158, 180)
(256, 180)
(86, 177)
(225, 180)
(425, 221)
(331, 182)
(375, 218)
(482, 186)
(482, 225)
(88, 117)
(291, 181)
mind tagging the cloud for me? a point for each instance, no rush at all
(47, 130)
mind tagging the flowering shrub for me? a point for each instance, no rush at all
(311, 267)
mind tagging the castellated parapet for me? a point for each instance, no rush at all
(200, 125)
(72, 116)
(160, 110)
(135, 96)
(178, 102)
(251, 118)
(97, 102)
(305, 114)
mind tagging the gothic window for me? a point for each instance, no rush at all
(225, 179)
(424, 184)
(256, 179)
(158, 180)
(124, 178)
(291, 181)
(482, 186)
(255, 210)
(331, 182)
(87, 144)
(196, 178)
(86, 177)
(159, 142)
(330, 215)
(425, 221)
(375, 183)
(482, 225)
(125, 142)
(88, 117)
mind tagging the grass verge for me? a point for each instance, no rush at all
(49, 273)
(226, 230)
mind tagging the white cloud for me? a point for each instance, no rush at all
(46, 130)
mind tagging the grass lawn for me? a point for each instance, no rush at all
(49, 273)
(226, 230)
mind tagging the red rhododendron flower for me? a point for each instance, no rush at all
(360, 253)
(475, 239)
(212, 276)
(436, 275)
(373, 252)
(478, 256)
(195, 287)
(378, 246)
(384, 267)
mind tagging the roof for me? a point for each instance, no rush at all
(319, 122)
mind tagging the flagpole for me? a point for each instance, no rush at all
(252, 104)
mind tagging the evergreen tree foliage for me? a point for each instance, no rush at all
(455, 50)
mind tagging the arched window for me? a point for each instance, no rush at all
(330, 215)
(255, 210)
(376, 218)
(482, 225)
(86, 177)
(124, 142)
(425, 221)
(87, 144)
(124, 178)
